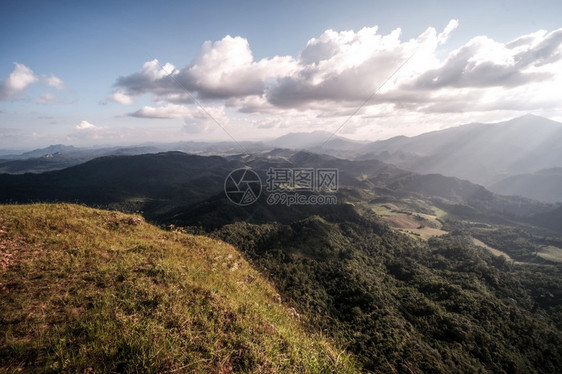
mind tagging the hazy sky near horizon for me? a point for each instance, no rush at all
(127, 72)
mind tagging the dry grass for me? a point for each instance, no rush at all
(551, 253)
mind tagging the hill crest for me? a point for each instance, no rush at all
(86, 290)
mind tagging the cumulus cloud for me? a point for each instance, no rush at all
(121, 98)
(482, 62)
(22, 77)
(153, 78)
(17, 81)
(341, 66)
(166, 111)
(336, 72)
(87, 126)
(485, 75)
(86, 132)
(223, 69)
(226, 68)
(336, 66)
(451, 26)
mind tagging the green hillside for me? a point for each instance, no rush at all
(86, 290)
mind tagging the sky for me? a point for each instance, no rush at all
(97, 73)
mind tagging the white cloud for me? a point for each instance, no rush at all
(22, 77)
(483, 62)
(167, 111)
(451, 26)
(121, 98)
(192, 116)
(153, 78)
(223, 69)
(85, 125)
(337, 66)
(46, 98)
(86, 132)
(154, 71)
(336, 72)
(55, 82)
(17, 81)
(342, 67)
(226, 68)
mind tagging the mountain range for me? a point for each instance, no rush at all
(157, 182)
(485, 154)
(515, 157)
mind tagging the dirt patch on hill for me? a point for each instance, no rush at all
(9, 249)
(14, 249)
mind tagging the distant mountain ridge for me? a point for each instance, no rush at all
(481, 153)
(159, 183)
(56, 157)
(543, 185)
(485, 154)
(314, 141)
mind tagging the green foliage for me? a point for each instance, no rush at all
(408, 306)
(519, 244)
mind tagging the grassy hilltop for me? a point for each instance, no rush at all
(85, 290)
